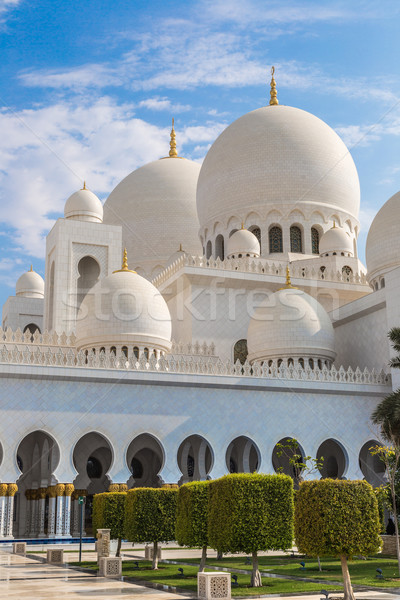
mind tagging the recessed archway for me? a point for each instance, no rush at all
(286, 454)
(145, 459)
(242, 456)
(37, 457)
(195, 459)
(334, 459)
(372, 467)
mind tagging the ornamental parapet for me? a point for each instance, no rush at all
(261, 266)
(285, 369)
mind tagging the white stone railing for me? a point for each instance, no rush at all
(259, 265)
(43, 339)
(13, 354)
(195, 349)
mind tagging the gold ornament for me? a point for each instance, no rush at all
(273, 94)
(3, 489)
(69, 488)
(42, 493)
(113, 487)
(51, 491)
(124, 268)
(12, 489)
(123, 487)
(60, 489)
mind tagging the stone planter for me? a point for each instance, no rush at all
(214, 585)
(19, 548)
(55, 556)
(389, 545)
(110, 566)
(148, 552)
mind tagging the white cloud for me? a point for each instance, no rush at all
(46, 153)
(163, 104)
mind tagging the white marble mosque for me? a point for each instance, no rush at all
(243, 318)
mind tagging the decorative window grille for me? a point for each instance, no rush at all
(275, 240)
(296, 243)
(314, 240)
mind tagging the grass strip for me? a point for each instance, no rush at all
(168, 575)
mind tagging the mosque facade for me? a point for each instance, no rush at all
(202, 316)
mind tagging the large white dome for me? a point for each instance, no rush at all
(124, 309)
(30, 285)
(382, 251)
(156, 206)
(276, 157)
(290, 324)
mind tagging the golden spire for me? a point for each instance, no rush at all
(124, 267)
(242, 225)
(180, 248)
(172, 145)
(288, 285)
(274, 98)
(31, 269)
(334, 224)
(84, 186)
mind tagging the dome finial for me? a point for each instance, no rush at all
(288, 285)
(31, 269)
(334, 224)
(242, 225)
(172, 145)
(84, 185)
(124, 267)
(274, 97)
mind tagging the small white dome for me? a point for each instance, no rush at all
(30, 285)
(156, 208)
(336, 240)
(290, 324)
(176, 256)
(244, 243)
(83, 205)
(382, 251)
(124, 309)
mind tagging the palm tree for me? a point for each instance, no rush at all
(387, 416)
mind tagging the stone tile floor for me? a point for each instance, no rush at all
(24, 578)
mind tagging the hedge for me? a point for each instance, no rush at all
(109, 513)
(150, 515)
(192, 517)
(251, 512)
(337, 518)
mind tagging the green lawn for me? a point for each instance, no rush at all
(168, 575)
(362, 572)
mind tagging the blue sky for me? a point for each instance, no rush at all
(88, 90)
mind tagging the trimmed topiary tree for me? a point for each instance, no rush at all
(150, 515)
(337, 518)
(251, 512)
(192, 517)
(109, 513)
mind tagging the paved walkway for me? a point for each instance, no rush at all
(27, 579)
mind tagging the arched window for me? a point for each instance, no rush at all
(382, 284)
(209, 249)
(346, 272)
(240, 351)
(296, 242)
(146, 353)
(89, 271)
(257, 232)
(33, 329)
(314, 240)
(219, 247)
(94, 468)
(124, 351)
(136, 352)
(275, 240)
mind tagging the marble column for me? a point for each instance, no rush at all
(3, 508)
(32, 531)
(60, 489)
(11, 491)
(51, 520)
(41, 510)
(69, 488)
(28, 509)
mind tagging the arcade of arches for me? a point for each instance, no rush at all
(37, 505)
